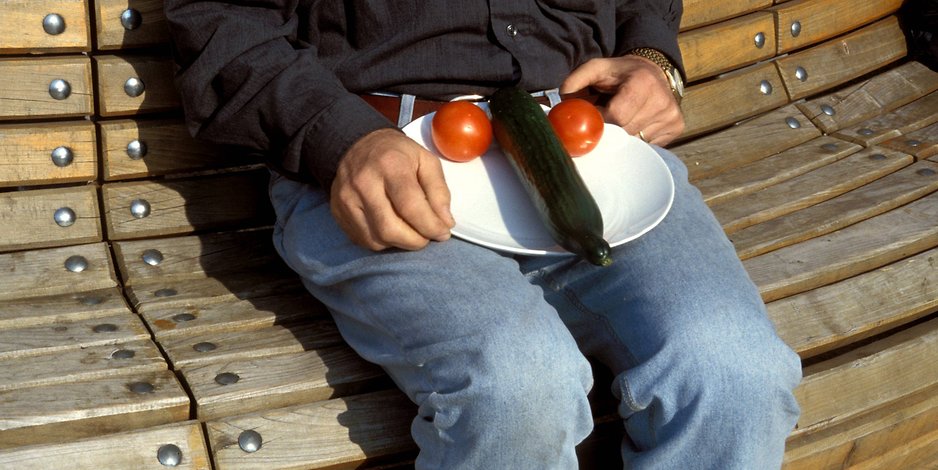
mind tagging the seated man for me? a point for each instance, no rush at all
(492, 347)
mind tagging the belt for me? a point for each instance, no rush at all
(392, 106)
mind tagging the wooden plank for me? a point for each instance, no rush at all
(871, 435)
(156, 75)
(21, 26)
(213, 319)
(150, 29)
(58, 308)
(24, 87)
(28, 218)
(921, 452)
(195, 257)
(853, 309)
(41, 273)
(751, 140)
(921, 143)
(26, 153)
(190, 351)
(842, 59)
(913, 116)
(736, 96)
(81, 365)
(775, 169)
(727, 45)
(872, 376)
(71, 335)
(188, 205)
(278, 381)
(810, 188)
(334, 434)
(169, 150)
(880, 196)
(853, 250)
(882, 93)
(41, 415)
(704, 12)
(160, 294)
(819, 20)
(133, 449)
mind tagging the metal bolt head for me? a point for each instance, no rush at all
(227, 378)
(925, 172)
(169, 455)
(136, 149)
(123, 354)
(801, 74)
(795, 29)
(134, 87)
(765, 87)
(60, 89)
(64, 217)
(793, 122)
(91, 300)
(913, 143)
(165, 293)
(183, 317)
(53, 24)
(204, 346)
(865, 131)
(828, 109)
(62, 156)
(139, 208)
(250, 441)
(131, 19)
(759, 40)
(152, 257)
(830, 147)
(105, 328)
(877, 156)
(76, 263)
(141, 388)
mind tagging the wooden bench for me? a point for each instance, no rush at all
(145, 320)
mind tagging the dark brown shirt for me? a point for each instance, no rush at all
(281, 77)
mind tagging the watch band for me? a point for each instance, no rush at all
(670, 71)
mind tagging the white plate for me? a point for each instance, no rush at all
(630, 183)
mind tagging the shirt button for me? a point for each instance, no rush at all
(512, 30)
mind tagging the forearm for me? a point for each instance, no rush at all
(244, 83)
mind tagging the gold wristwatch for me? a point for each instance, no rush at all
(670, 71)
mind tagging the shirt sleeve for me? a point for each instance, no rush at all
(649, 23)
(245, 83)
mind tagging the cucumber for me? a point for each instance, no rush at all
(548, 174)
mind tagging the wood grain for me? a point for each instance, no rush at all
(27, 218)
(880, 196)
(126, 450)
(250, 285)
(236, 200)
(824, 19)
(853, 250)
(334, 434)
(808, 189)
(24, 87)
(921, 143)
(155, 72)
(842, 59)
(909, 118)
(26, 153)
(727, 45)
(775, 169)
(751, 140)
(45, 310)
(111, 34)
(884, 92)
(41, 273)
(278, 381)
(71, 336)
(22, 31)
(704, 12)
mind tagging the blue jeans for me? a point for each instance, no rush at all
(492, 348)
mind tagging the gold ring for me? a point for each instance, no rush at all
(641, 135)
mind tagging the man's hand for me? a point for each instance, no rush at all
(641, 99)
(390, 192)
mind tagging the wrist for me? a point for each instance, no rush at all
(671, 73)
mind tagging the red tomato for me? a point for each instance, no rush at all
(461, 131)
(578, 124)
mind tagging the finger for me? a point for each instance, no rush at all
(410, 203)
(350, 217)
(386, 226)
(595, 72)
(431, 179)
(625, 109)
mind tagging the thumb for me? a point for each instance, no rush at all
(583, 76)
